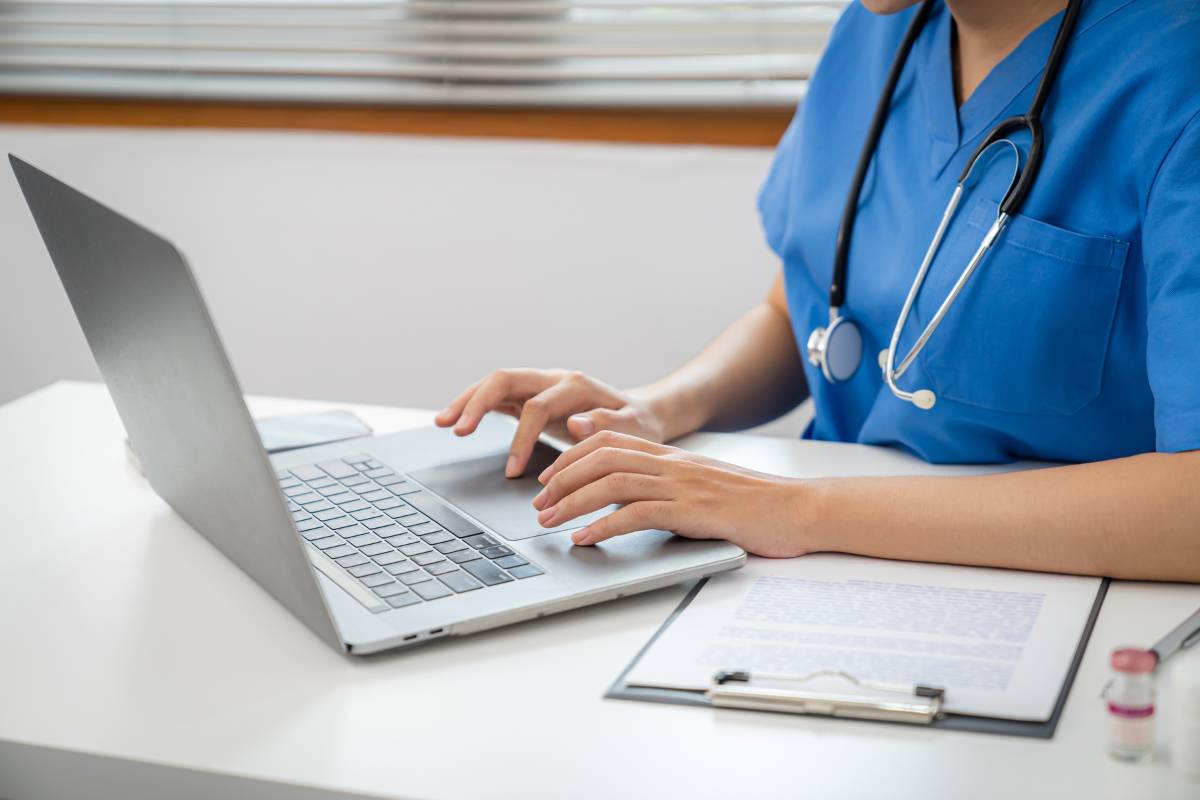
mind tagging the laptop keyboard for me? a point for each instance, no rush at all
(401, 543)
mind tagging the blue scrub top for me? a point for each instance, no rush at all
(1078, 338)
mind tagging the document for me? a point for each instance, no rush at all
(999, 642)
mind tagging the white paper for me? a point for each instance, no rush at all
(1000, 642)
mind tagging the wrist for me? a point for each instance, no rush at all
(674, 412)
(813, 502)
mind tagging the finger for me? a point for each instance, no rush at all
(501, 387)
(640, 516)
(616, 487)
(448, 415)
(602, 439)
(584, 425)
(538, 411)
(593, 467)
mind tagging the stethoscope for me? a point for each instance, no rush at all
(837, 348)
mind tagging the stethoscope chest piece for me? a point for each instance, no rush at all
(836, 349)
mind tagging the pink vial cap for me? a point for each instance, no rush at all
(1134, 660)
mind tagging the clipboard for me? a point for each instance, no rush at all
(621, 690)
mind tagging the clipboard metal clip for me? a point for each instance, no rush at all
(762, 692)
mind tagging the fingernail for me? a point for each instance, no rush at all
(584, 423)
(510, 469)
(547, 515)
(540, 499)
(545, 474)
(580, 536)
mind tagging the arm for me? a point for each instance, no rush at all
(751, 373)
(748, 375)
(1133, 517)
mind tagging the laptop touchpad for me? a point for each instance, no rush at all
(479, 488)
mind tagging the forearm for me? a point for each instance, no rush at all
(748, 375)
(1136, 518)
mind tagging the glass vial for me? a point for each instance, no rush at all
(1130, 697)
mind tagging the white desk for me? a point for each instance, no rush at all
(138, 662)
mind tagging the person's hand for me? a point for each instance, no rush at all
(671, 489)
(549, 399)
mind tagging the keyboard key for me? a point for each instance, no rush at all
(527, 571)
(427, 558)
(329, 513)
(438, 537)
(437, 510)
(376, 580)
(308, 525)
(338, 469)
(481, 541)
(327, 542)
(459, 581)
(416, 576)
(357, 458)
(487, 572)
(373, 464)
(379, 472)
(313, 506)
(377, 549)
(378, 494)
(496, 551)
(297, 512)
(401, 600)
(355, 481)
(424, 527)
(353, 529)
(431, 590)
(380, 522)
(308, 473)
(415, 549)
(288, 482)
(340, 524)
(508, 562)
(322, 483)
(366, 487)
(352, 561)
(282, 474)
(452, 546)
(363, 539)
(463, 556)
(411, 518)
(388, 480)
(390, 557)
(332, 490)
(367, 513)
(389, 589)
(403, 488)
(298, 488)
(440, 568)
(401, 567)
(363, 570)
(403, 539)
(319, 532)
(389, 502)
(398, 513)
(305, 497)
(340, 551)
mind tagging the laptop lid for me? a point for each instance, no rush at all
(150, 332)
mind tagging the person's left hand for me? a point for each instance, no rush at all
(671, 489)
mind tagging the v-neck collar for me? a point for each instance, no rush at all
(951, 126)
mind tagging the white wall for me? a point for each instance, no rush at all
(396, 270)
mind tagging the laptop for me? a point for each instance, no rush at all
(375, 543)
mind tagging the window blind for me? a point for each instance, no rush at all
(431, 52)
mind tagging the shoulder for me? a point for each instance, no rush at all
(1152, 45)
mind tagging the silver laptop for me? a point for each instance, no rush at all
(376, 543)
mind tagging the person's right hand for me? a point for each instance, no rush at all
(549, 398)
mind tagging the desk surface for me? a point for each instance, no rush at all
(131, 644)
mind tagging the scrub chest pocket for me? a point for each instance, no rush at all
(1029, 334)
